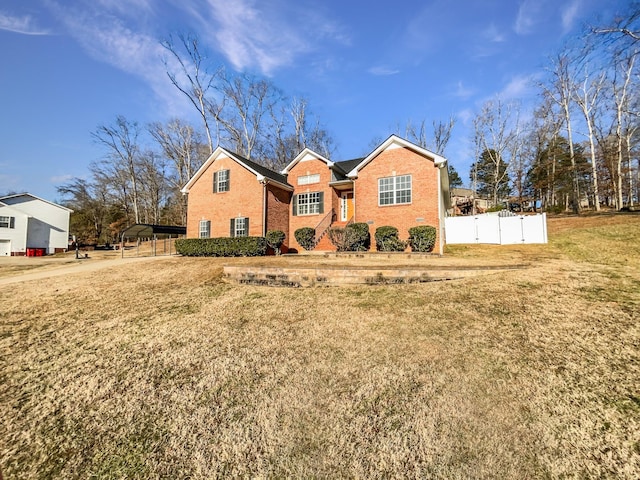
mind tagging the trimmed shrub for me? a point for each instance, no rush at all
(352, 238)
(338, 237)
(422, 238)
(275, 239)
(222, 247)
(306, 237)
(387, 240)
(358, 236)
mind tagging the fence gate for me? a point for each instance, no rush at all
(496, 230)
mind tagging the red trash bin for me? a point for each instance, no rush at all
(40, 252)
(31, 252)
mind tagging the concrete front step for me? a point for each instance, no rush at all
(307, 277)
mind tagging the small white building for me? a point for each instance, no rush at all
(29, 222)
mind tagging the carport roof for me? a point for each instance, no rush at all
(147, 230)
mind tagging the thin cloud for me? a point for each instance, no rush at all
(58, 179)
(24, 25)
(569, 15)
(382, 71)
(262, 35)
(518, 87)
(462, 92)
(492, 34)
(107, 39)
(527, 17)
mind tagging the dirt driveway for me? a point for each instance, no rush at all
(24, 269)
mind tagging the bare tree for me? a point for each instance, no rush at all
(182, 147)
(442, 134)
(625, 28)
(437, 142)
(622, 79)
(192, 78)
(561, 92)
(494, 136)
(587, 96)
(247, 107)
(121, 140)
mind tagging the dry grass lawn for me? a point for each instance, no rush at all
(167, 371)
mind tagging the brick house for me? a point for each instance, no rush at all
(232, 196)
(398, 184)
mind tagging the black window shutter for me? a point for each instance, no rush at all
(321, 202)
(228, 180)
(12, 222)
(246, 226)
(295, 205)
(215, 182)
(232, 228)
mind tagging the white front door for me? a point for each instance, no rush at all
(5, 248)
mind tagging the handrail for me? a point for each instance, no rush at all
(324, 225)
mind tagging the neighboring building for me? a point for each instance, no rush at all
(463, 201)
(398, 184)
(29, 222)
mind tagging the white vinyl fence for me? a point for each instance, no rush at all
(496, 229)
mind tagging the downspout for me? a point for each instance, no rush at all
(440, 200)
(264, 207)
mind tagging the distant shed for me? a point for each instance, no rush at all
(154, 233)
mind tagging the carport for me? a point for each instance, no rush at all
(154, 233)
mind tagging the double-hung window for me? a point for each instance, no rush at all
(221, 181)
(394, 190)
(309, 203)
(7, 222)
(239, 227)
(205, 229)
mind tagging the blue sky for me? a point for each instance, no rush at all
(68, 66)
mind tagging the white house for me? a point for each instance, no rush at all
(29, 222)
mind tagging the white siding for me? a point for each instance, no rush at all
(42, 225)
(17, 236)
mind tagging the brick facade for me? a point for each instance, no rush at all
(278, 201)
(244, 199)
(423, 209)
(250, 186)
(310, 166)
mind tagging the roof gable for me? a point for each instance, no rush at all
(304, 155)
(395, 142)
(259, 171)
(3, 200)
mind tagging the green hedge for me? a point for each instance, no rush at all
(222, 247)
(275, 239)
(306, 237)
(387, 240)
(359, 236)
(422, 238)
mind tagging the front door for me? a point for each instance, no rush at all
(346, 206)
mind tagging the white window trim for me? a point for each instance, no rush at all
(309, 179)
(224, 181)
(395, 190)
(240, 232)
(207, 230)
(309, 204)
(5, 222)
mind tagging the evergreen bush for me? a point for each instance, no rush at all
(387, 240)
(422, 238)
(275, 239)
(358, 236)
(306, 237)
(222, 247)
